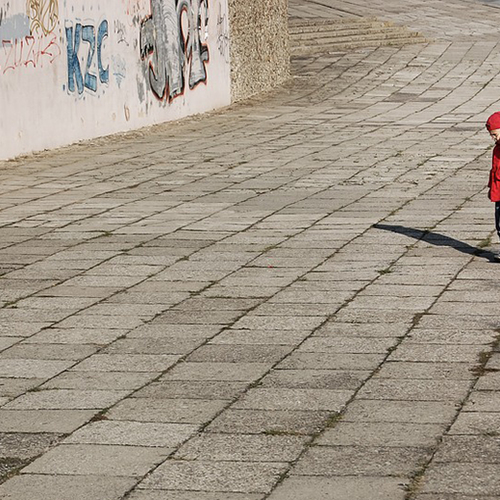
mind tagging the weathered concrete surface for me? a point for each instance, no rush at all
(290, 299)
(260, 51)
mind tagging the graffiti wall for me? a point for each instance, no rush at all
(73, 70)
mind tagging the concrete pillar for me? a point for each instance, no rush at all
(260, 52)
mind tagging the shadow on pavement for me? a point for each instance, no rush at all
(439, 240)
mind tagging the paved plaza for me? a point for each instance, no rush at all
(290, 299)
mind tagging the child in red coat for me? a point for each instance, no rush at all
(493, 126)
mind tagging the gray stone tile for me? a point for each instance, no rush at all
(176, 332)
(436, 353)
(27, 368)
(450, 496)
(184, 389)
(98, 460)
(21, 329)
(70, 352)
(212, 371)
(99, 336)
(483, 401)
(443, 336)
(132, 434)
(348, 345)
(475, 479)
(166, 345)
(360, 460)
(262, 337)
(246, 448)
(270, 353)
(415, 390)
(315, 379)
(294, 399)
(86, 381)
(478, 423)
(39, 421)
(26, 446)
(173, 317)
(469, 449)
(13, 387)
(489, 381)
(272, 422)
(127, 363)
(6, 342)
(93, 321)
(339, 488)
(304, 323)
(238, 477)
(356, 330)
(384, 434)
(328, 361)
(414, 412)
(65, 487)
(185, 411)
(192, 495)
(62, 399)
(424, 371)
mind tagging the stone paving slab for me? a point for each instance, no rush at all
(339, 488)
(67, 487)
(290, 298)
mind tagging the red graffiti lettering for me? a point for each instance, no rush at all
(28, 51)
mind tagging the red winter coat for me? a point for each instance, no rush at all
(494, 183)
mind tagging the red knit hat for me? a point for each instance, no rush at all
(493, 122)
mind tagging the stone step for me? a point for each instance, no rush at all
(322, 35)
(340, 47)
(328, 35)
(335, 26)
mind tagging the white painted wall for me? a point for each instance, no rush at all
(142, 62)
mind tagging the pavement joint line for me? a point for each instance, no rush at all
(430, 87)
(415, 482)
(284, 475)
(417, 318)
(440, 143)
(158, 237)
(245, 312)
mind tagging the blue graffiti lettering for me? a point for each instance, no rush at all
(86, 34)
(101, 35)
(74, 70)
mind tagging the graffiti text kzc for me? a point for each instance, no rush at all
(28, 51)
(171, 40)
(88, 41)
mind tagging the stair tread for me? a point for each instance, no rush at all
(333, 34)
(326, 35)
(309, 50)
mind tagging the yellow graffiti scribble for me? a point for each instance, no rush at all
(44, 15)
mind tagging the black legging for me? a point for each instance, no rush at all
(497, 217)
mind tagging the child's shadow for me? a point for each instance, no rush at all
(439, 240)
